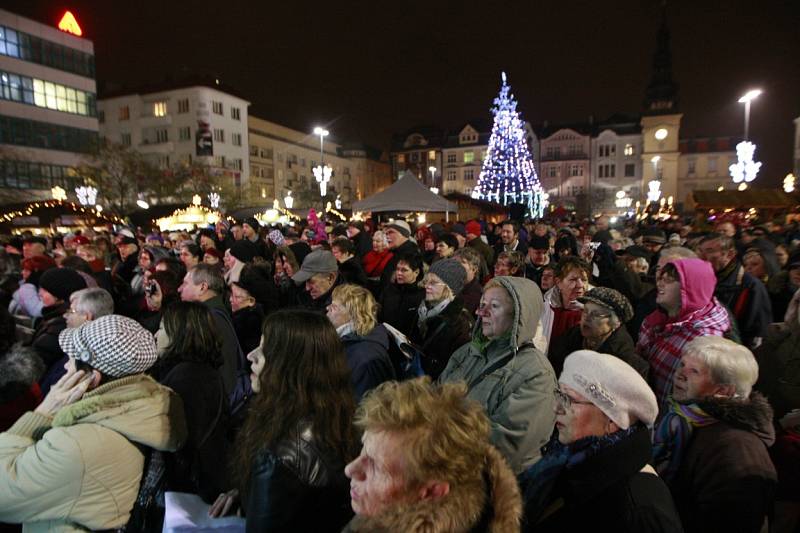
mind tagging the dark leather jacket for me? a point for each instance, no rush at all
(298, 486)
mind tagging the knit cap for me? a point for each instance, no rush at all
(539, 243)
(252, 222)
(451, 272)
(473, 227)
(62, 282)
(612, 385)
(401, 226)
(244, 250)
(276, 237)
(115, 345)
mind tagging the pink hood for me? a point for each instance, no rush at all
(698, 282)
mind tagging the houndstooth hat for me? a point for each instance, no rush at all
(115, 345)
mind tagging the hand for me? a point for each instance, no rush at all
(223, 504)
(155, 299)
(69, 389)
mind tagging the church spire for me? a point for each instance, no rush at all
(661, 96)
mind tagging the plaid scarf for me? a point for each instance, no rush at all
(661, 342)
(672, 436)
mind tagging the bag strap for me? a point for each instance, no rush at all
(433, 335)
(496, 365)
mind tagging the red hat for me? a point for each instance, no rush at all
(80, 239)
(213, 252)
(474, 227)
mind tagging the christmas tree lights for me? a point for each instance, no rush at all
(508, 175)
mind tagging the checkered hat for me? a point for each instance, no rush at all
(611, 299)
(115, 345)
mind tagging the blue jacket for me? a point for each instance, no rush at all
(368, 359)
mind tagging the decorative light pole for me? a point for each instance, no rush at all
(338, 201)
(288, 201)
(746, 99)
(432, 170)
(746, 168)
(86, 195)
(788, 183)
(213, 200)
(58, 193)
(322, 172)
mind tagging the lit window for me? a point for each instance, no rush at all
(469, 157)
(160, 109)
(401, 158)
(628, 149)
(432, 155)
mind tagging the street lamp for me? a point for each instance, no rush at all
(288, 201)
(746, 99)
(322, 172)
(432, 170)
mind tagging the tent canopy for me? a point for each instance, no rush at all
(406, 194)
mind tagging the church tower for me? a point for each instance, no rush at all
(661, 121)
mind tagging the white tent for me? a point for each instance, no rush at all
(406, 194)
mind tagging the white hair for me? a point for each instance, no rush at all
(95, 302)
(728, 363)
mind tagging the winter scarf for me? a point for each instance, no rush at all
(424, 313)
(673, 434)
(540, 479)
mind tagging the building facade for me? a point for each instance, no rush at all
(48, 111)
(202, 123)
(282, 159)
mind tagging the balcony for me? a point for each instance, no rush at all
(570, 156)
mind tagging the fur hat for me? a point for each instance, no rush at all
(612, 385)
(62, 282)
(244, 250)
(113, 344)
(451, 272)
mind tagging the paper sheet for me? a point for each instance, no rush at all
(187, 512)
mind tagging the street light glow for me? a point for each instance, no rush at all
(750, 96)
(322, 132)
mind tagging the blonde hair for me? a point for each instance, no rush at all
(360, 305)
(92, 250)
(445, 434)
(728, 363)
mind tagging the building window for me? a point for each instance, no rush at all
(124, 113)
(219, 135)
(36, 50)
(712, 164)
(101, 117)
(23, 132)
(161, 135)
(125, 139)
(236, 139)
(552, 171)
(235, 113)
(266, 153)
(401, 158)
(183, 105)
(414, 157)
(553, 152)
(606, 171)
(608, 150)
(692, 164)
(42, 93)
(630, 170)
(451, 175)
(469, 157)
(216, 107)
(469, 174)
(468, 191)
(431, 155)
(160, 109)
(628, 149)
(575, 170)
(163, 161)
(451, 158)
(237, 164)
(219, 161)
(185, 134)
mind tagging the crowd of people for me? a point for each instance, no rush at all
(537, 376)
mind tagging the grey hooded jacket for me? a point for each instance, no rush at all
(518, 396)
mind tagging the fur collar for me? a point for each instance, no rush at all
(466, 508)
(104, 397)
(753, 414)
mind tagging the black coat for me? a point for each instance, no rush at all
(200, 467)
(48, 327)
(368, 359)
(351, 271)
(233, 358)
(618, 344)
(748, 299)
(442, 335)
(362, 242)
(408, 247)
(398, 305)
(609, 492)
(471, 295)
(247, 323)
(298, 486)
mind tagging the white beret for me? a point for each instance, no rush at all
(612, 385)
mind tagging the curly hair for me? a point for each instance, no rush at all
(305, 378)
(360, 305)
(445, 434)
(569, 263)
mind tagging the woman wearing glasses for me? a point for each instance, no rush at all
(602, 329)
(442, 325)
(598, 463)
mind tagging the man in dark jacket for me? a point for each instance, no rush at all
(711, 446)
(398, 235)
(743, 294)
(320, 274)
(538, 258)
(359, 237)
(509, 239)
(204, 284)
(474, 240)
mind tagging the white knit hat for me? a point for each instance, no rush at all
(113, 344)
(612, 385)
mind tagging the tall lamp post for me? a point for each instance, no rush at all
(746, 99)
(322, 172)
(432, 170)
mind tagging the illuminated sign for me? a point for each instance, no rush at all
(69, 24)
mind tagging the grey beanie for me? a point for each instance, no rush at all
(451, 272)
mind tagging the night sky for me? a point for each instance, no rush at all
(369, 69)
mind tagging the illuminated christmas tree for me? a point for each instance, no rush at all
(508, 175)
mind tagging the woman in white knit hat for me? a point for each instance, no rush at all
(596, 465)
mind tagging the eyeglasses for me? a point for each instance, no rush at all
(427, 282)
(565, 401)
(594, 316)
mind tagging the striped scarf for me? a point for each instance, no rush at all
(672, 436)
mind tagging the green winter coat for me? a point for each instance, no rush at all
(518, 396)
(79, 470)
